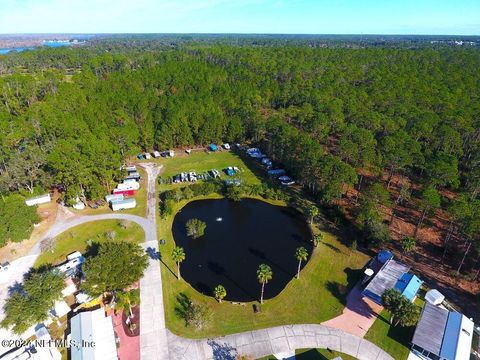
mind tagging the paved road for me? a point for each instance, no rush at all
(280, 339)
(153, 332)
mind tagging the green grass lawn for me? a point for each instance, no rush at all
(140, 197)
(315, 354)
(200, 162)
(76, 239)
(394, 340)
(317, 296)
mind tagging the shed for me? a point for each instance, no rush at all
(434, 297)
(124, 204)
(95, 327)
(37, 200)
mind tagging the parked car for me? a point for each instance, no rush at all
(192, 176)
(215, 173)
(4, 266)
(285, 180)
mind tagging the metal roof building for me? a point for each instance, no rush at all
(386, 278)
(92, 327)
(408, 285)
(442, 334)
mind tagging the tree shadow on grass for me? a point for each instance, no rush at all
(171, 271)
(312, 355)
(330, 246)
(182, 307)
(341, 291)
(401, 335)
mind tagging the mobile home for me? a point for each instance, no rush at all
(42, 199)
(124, 204)
(129, 192)
(113, 197)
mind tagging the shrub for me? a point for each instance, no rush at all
(17, 219)
(195, 228)
(233, 193)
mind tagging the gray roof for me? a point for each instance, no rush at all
(430, 328)
(387, 277)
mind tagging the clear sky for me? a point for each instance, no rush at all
(454, 17)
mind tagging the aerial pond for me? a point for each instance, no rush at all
(239, 237)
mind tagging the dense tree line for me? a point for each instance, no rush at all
(331, 115)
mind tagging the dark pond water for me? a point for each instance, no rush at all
(250, 233)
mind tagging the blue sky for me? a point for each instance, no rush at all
(242, 16)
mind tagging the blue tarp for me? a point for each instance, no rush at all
(408, 285)
(384, 255)
(451, 335)
(213, 147)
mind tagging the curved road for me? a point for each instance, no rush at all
(156, 342)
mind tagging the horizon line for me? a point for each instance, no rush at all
(228, 33)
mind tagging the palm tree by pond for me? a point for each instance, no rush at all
(312, 213)
(301, 254)
(317, 238)
(220, 293)
(264, 274)
(178, 255)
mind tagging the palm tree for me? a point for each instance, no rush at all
(301, 254)
(264, 274)
(312, 212)
(127, 300)
(220, 293)
(178, 255)
(317, 238)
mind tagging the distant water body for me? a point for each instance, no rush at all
(52, 44)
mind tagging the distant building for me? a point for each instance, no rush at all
(93, 327)
(384, 273)
(442, 335)
(37, 200)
